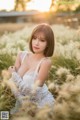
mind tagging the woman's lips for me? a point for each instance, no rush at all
(35, 47)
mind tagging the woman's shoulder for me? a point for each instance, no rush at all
(45, 65)
(47, 62)
(22, 53)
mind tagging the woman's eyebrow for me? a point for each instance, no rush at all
(38, 36)
(42, 38)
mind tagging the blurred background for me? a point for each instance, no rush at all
(65, 12)
(17, 21)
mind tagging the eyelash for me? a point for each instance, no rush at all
(34, 37)
(40, 39)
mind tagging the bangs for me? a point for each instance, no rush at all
(47, 32)
(39, 34)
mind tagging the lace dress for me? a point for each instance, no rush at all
(25, 86)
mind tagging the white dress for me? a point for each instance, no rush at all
(25, 85)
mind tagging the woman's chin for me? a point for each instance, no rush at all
(35, 50)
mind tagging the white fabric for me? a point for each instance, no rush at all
(25, 85)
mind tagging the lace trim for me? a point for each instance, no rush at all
(21, 86)
(36, 96)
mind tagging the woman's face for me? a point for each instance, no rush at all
(39, 43)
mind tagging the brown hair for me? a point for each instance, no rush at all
(49, 36)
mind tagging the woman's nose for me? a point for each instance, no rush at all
(37, 41)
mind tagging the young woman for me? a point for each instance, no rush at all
(31, 69)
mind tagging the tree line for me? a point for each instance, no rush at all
(21, 5)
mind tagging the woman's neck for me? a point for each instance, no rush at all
(38, 56)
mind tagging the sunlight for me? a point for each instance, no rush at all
(41, 5)
(7, 5)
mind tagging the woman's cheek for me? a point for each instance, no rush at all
(33, 41)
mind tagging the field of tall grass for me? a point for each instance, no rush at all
(63, 80)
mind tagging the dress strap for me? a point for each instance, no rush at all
(24, 53)
(38, 66)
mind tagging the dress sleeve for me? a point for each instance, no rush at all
(36, 90)
(24, 88)
(14, 87)
(16, 78)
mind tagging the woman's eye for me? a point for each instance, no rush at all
(34, 37)
(42, 40)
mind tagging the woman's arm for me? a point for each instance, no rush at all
(42, 76)
(43, 72)
(19, 68)
(17, 63)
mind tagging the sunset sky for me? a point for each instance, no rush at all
(41, 5)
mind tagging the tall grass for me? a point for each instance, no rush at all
(63, 80)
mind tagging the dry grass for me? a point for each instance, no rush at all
(12, 27)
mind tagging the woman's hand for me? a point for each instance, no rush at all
(11, 69)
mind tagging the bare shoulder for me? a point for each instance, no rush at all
(20, 52)
(44, 70)
(47, 63)
(18, 57)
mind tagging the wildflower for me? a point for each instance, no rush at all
(62, 70)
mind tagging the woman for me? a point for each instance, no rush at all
(31, 69)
